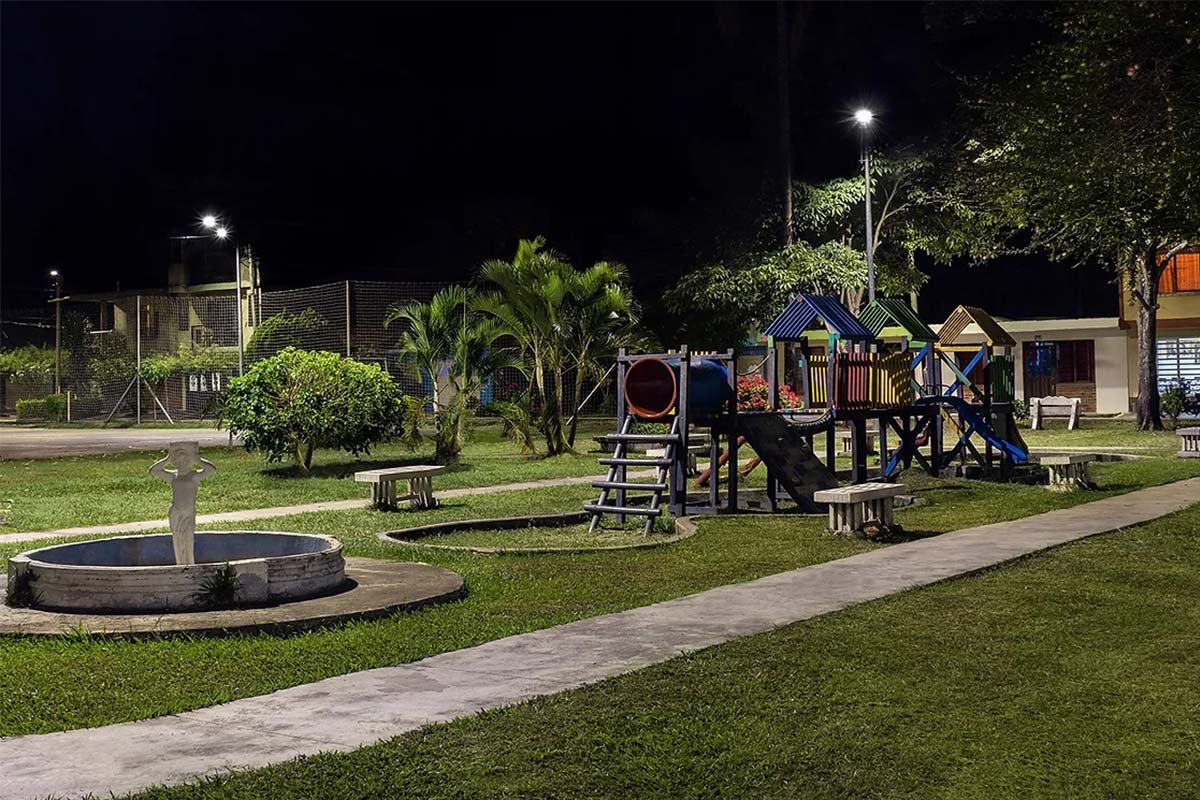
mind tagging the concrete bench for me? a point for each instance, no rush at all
(1068, 472)
(383, 485)
(851, 506)
(1043, 408)
(1189, 442)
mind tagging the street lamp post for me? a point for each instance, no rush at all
(863, 117)
(222, 233)
(57, 277)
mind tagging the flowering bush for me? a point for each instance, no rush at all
(752, 395)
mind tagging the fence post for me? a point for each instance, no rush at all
(137, 310)
(237, 305)
(347, 319)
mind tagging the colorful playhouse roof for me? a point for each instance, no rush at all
(800, 314)
(885, 311)
(963, 316)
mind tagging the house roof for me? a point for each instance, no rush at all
(963, 316)
(881, 312)
(800, 314)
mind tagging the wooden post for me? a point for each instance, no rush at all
(858, 456)
(622, 414)
(773, 405)
(732, 440)
(679, 470)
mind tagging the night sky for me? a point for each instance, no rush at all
(405, 141)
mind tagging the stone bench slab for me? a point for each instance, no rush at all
(1066, 459)
(398, 473)
(861, 493)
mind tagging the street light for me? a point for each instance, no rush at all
(863, 118)
(56, 276)
(222, 232)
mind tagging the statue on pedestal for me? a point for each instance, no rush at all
(183, 468)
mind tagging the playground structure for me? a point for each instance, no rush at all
(884, 368)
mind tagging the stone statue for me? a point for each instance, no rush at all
(184, 469)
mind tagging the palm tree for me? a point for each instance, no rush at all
(560, 316)
(603, 317)
(456, 347)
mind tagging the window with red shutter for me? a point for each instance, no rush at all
(1182, 274)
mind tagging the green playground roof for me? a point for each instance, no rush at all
(883, 311)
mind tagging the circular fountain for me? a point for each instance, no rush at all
(140, 573)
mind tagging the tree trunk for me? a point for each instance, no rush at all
(1149, 415)
(576, 399)
(784, 114)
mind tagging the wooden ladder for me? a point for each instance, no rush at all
(620, 462)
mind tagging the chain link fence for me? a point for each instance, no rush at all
(167, 357)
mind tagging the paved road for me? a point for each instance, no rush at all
(27, 443)
(349, 711)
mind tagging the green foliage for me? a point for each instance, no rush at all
(189, 360)
(725, 303)
(1174, 401)
(29, 363)
(518, 423)
(454, 346)
(1020, 409)
(1089, 151)
(567, 321)
(412, 417)
(297, 401)
(283, 330)
(220, 589)
(52, 408)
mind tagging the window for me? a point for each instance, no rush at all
(1076, 361)
(1179, 362)
(1182, 273)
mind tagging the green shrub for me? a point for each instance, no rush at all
(29, 363)
(297, 401)
(52, 408)
(1173, 401)
(1020, 409)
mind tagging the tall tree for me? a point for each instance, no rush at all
(1090, 150)
(560, 316)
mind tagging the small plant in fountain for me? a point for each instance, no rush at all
(220, 590)
(20, 591)
(296, 401)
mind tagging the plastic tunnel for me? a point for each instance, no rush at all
(652, 387)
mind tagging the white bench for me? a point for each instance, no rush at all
(1043, 408)
(1068, 472)
(1189, 442)
(852, 506)
(383, 485)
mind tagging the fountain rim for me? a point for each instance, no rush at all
(334, 546)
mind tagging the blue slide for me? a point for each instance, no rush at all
(975, 422)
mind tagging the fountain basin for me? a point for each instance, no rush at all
(139, 574)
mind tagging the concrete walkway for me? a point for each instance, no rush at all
(305, 508)
(21, 443)
(358, 709)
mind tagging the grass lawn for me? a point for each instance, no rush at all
(1108, 433)
(1075, 673)
(564, 536)
(93, 490)
(69, 682)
